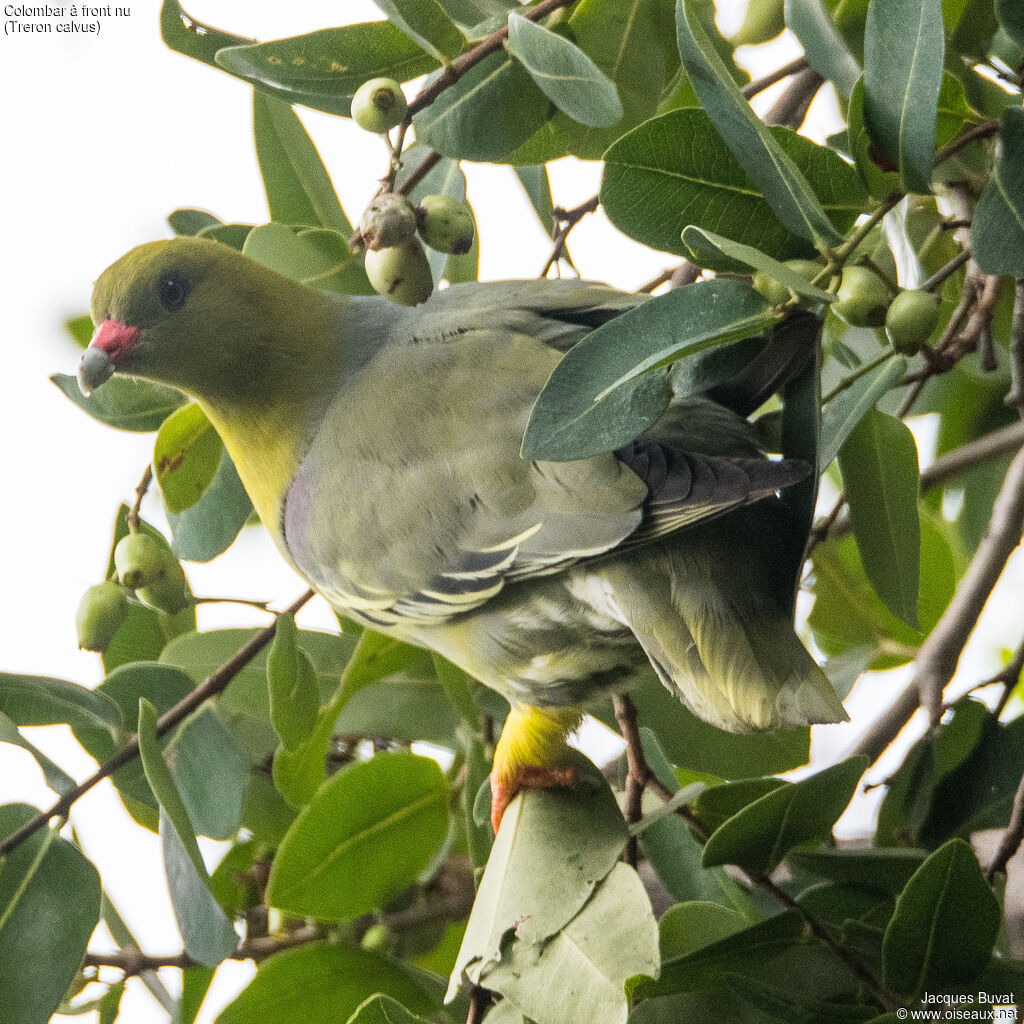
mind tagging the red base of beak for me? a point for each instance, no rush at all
(115, 339)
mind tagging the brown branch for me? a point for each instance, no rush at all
(479, 1004)
(1008, 677)
(751, 89)
(1015, 396)
(979, 131)
(1011, 839)
(209, 687)
(568, 219)
(940, 653)
(426, 165)
(675, 277)
(132, 518)
(792, 106)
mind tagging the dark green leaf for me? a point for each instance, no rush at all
(699, 240)
(210, 526)
(427, 23)
(323, 69)
(997, 234)
(564, 73)
(380, 1009)
(229, 234)
(479, 837)
(298, 188)
(205, 929)
(841, 414)
(880, 870)
(759, 836)
(316, 257)
(49, 906)
(490, 110)
(186, 457)
(772, 170)
(324, 983)
(811, 22)
(1011, 17)
(686, 927)
(534, 180)
(878, 461)
(783, 1003)
(367, 834)
(122, 403)
(717, 804)
(675, 170)
(182, 33)
(56, 778)
(191, 222)
(944, 926)
(876, 169)
(41, 700)
(292, 685)
(904, 45)
(597, 399)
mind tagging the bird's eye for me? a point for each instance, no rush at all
(173, 291)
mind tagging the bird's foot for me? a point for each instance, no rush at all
(525, 776)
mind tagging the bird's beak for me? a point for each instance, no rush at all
(111, 341)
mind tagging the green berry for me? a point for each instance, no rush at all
(445, 224)
(774, 291)
(862, 298)
(100, 613)
(168, 591)
(138, 559)
(379, 105)
(388, 221)
(911, 319)
(402, 273)
(805, 268)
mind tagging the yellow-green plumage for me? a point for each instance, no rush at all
(381, 448)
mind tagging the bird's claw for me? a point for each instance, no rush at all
(526, 776)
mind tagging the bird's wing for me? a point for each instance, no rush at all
(413, 502)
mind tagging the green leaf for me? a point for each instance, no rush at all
(553, 848)
(186, 457)
(326, 982)
(299, 190)
(380, 1009)
(42, 700)
(944, 927)
(580, 973)
(184, 34)
(699, 240)
(675, 170)
(191, 222)
(317, 257)
(876, 169)
(491, 110)
(323, 69)
(686, 927)
(49, 906)
(124, 404)
(782, 1003)
(880, 870)
(366, 835)
(878, 461)
(230, 234)
(841, 414)
(759, 836)
(717, 804)
(210, 526)
(596, 399)
(904, 44)
(427, 22)
(537, 187)
(826, 51)
(1011, 17)
(997, 232)
(776, 175)
(56, 778)
(205, 929)
(564, 73)
(293, 687)
(81, 329)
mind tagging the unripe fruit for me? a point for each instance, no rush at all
(388, 221)
(805, 268)
(100, 613)
(774, 291)
(168, 591)
(445, 224)
(911, 319)
(379, 105)
(401, 273)
(862, 298)
(138, 559)
(764, 20)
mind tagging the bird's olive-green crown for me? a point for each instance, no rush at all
(212, 322)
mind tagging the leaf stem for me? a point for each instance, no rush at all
(857, 374)
(132, 518)
(950, 268)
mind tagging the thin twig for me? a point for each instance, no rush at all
(567, 219)
(426, 165)
(1015, 396)
(676, 277)
(1008, 677)
(132, 518)
(979, 131)
(479, 1004)
(791, 107)
(1011, 839)
(751, 89)
(949, 269)
(209, 687)
(940, 653)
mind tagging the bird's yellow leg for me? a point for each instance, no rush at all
(532, 753)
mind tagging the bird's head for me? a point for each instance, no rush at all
(188, 312)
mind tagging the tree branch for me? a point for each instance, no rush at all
(568, 219)
(940, 653)
(132, 518)
(209, 687)
(792, 106)
(1015, 396)
(751, 89)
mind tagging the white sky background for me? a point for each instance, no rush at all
(103, 137)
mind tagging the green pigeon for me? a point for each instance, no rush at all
(380, 445)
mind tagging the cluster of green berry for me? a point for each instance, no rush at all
(863, 300)
(145, 566)
(396, 263)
